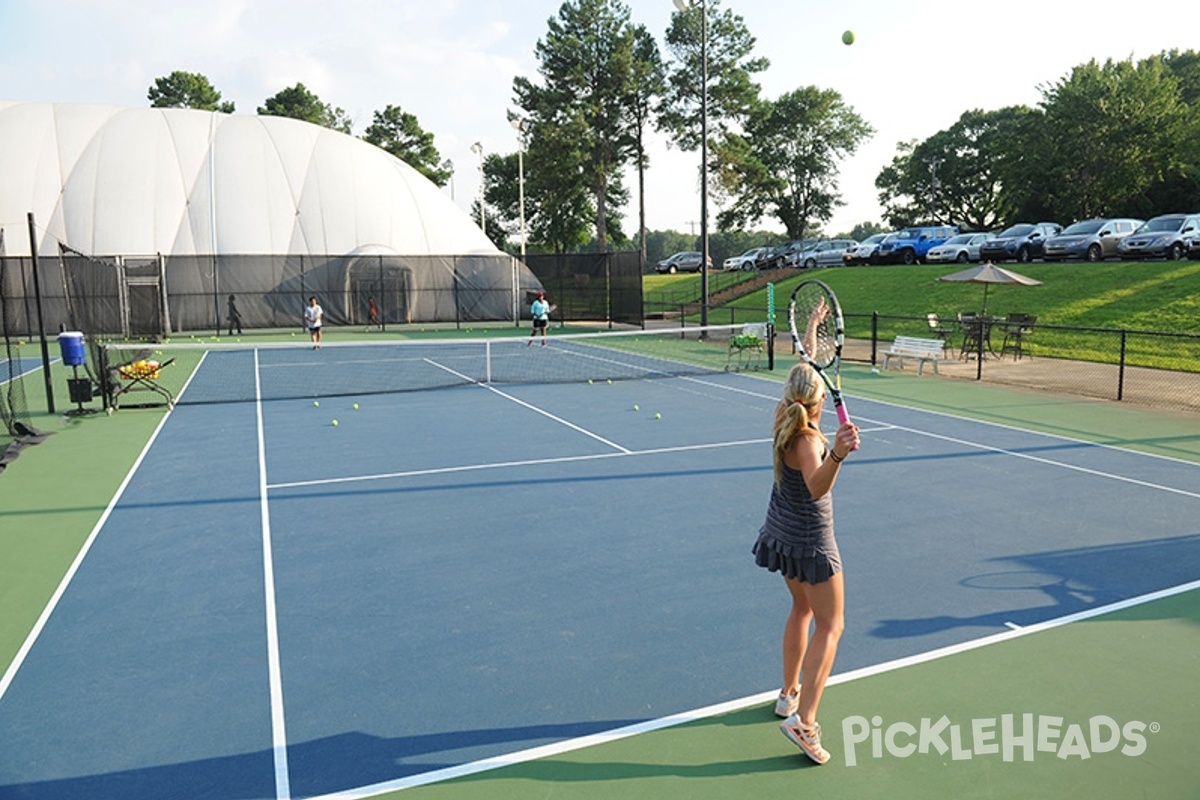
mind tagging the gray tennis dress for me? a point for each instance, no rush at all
(797, 537)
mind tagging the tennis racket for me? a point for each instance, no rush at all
(815, 306)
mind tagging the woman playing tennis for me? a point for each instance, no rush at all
(797, 540)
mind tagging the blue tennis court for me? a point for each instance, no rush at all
(20, 366)
(276, 607)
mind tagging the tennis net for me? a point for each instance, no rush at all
(218, 372)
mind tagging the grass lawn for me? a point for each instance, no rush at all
(1159, 296)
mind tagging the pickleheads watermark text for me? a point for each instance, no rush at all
(1009, 737)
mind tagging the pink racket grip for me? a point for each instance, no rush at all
(842, 414)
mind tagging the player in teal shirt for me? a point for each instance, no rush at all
(540, 311)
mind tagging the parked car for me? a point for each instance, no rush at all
(682, 262)
(1193, 248)
(771, 257)
(1089, 239)
(864, 251)
(784, 255)
(1164, 236)
(825, 254)
(745, 261)
(908, 246)
(1021, 242)
(962, 248)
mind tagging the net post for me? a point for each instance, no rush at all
(771, 326)
(487, 360)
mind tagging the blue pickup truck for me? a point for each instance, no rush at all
(908, 246)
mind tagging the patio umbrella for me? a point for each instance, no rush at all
(987, 274)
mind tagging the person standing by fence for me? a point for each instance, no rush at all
(235, 318)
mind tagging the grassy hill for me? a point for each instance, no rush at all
(1144, 296)
(1152, 295)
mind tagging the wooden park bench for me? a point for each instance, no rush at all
(913, 347)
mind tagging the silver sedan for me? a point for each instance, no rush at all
(962, 248)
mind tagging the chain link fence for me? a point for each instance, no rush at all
(1156, 368)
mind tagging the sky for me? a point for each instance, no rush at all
(914, 69)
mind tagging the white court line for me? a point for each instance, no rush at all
(1042, 460)
(36, 631)
(524, 463)
(558, 748)
(279, 745)
(531, 407)
(29, 371)
(1034, 431)
(1029, 457)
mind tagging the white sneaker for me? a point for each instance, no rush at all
(786, 704)
(808, 739)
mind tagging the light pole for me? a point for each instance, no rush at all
(521, 126)
(477, 149)
(683, 6)
(448, 165)
(933, 163)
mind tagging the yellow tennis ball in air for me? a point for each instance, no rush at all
(848, 38)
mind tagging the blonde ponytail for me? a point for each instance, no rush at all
(801, 391)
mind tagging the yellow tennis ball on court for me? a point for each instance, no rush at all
(316, 403)
(635, 408)
(610, 381)
(658, 416)
(848, 38)
(356, 406)
(335, 423)
(589, 381)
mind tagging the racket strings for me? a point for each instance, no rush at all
(814, 311)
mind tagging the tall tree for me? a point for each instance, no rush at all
(585, 64)
(187, 90)
(649, 82)
(298, 102)
(398, 132)
(732, 92)
(786, 164)
(1109, 132)
(974, 163)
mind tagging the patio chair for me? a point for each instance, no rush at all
(941, 331)
(1016, 328)
(969, 324)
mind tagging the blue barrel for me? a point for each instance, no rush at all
(74, 353)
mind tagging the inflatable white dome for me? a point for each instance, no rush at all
(162, 213)
(110, 180)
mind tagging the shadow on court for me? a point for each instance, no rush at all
(343, 760)
(1072, 581)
